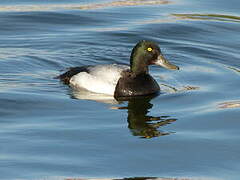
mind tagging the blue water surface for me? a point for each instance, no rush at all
(49, 131)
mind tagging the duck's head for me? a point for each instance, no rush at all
(147, 53)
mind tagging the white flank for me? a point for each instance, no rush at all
(101, 78)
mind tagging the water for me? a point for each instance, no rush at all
(49, 131)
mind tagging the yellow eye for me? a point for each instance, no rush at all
(149, 49)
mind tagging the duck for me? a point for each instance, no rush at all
(120, 80)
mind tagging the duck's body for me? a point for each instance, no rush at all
(99, 79)
(121, 80)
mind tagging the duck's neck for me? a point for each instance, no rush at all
(138, 64)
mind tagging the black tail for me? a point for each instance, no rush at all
(65, 77)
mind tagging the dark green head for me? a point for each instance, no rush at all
(146, 53)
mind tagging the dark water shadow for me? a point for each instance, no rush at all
(140, 123)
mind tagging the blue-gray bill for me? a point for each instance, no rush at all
(161, 61)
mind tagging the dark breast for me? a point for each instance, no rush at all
(138, 85)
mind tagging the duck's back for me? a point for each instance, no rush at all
(65, 77)
(139, 85)
(98, 79)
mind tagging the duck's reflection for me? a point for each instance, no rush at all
(143, 125)
(139, 122)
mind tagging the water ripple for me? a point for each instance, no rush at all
(48, 7)
(208, 17)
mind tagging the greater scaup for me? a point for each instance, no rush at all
(121, 80)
